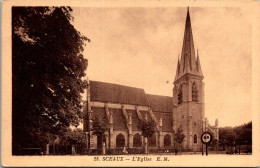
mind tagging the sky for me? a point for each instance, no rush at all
(139, 47)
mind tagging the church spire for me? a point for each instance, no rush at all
(198, 63)
(178, 65)
(188, 62)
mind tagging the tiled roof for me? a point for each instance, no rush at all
(144, 114)
(160, 103)
(114, 93)
(166, 120)
(135, 119)
(99, 112)
(119, 121)
(118, 118)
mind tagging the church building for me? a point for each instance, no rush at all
(124, 106)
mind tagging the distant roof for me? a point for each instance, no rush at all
(114, 93)
(160, 103)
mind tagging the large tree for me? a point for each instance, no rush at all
(100, 127)
(179, 137)
(236, 136)
(48, 71)
(74, 137)
(148, 129)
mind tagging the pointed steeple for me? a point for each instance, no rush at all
(178, 66)
(198, 63)
(188, 62)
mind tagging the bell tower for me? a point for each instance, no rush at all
(188, 93)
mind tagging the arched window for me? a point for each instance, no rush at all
(120, 140)
(180, 95)
(152, 141)
(137, 140)
(167, 140)
(195, 92)
(195, 138)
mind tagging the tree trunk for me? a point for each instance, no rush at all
(145, 145)
(53, 149)
(47, 149)
(235, 148)
(103, 148)
(102, 139)
(73, 151)
(230, 149)
(88, 146)
(180, 147)
(217, 147)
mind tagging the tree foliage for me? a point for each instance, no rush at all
(239, 135)
(226, 135)
(179, 136)
(147, 127)
(100, 126)
(73, 137)
(47, 73)
(70, 137)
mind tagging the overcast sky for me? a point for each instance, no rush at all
(139, 47)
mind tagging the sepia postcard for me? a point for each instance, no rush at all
(130, 83)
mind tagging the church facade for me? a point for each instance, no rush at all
(124, 106)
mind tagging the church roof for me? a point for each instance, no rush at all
(119, 120)
(160, 103)
(114, 93)
(135, 119)
(188, 62)
(167, 123)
